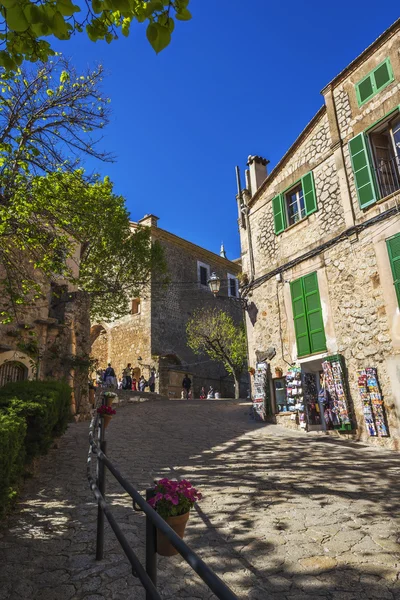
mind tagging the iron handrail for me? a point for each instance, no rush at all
(153, 522)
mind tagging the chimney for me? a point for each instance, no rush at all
(222, 252)
(258, 172)
(149, 221)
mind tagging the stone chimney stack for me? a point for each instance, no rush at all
(149, 221)
(257, 172)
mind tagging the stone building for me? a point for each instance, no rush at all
(320, 239)
(153, 335)
(50, 338)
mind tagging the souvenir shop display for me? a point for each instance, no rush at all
(260, 385)
(294, 393)
(371, 398)
(336, 399)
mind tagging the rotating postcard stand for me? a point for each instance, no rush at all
(336, 411)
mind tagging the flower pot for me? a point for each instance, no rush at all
(278, 372)
(106, 420)
(109, 401)
(178, 524)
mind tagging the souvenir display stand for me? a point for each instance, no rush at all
(294, 393)
(260, 388)
(336, 411)
(371, 398)
(311, 404)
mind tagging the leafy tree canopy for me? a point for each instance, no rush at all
(24, 24)
(215, 333)
(52, 216)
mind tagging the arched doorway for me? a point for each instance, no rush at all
(99, 344)
(12, 371)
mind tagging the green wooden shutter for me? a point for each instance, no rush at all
(310, 199)
(313, 308)
(363, 174)
(300, 318)
(278, 209)
(365, 89)
(383, 75)
(393, 245)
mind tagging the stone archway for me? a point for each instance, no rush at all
(11, 371)
(99, 344)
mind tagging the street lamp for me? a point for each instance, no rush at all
(214, 284)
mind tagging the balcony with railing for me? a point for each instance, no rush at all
(387, 173)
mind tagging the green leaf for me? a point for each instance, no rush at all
(183, 15)
(158, 36)
(67, 8)
(16, 19)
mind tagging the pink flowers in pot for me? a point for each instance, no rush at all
(173, 498)
(106, 410)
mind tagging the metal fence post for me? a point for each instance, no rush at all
(151, 547)
(101, 484)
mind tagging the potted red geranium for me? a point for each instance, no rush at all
(173, 500)
(107, 413)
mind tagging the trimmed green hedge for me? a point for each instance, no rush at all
(12, 456)
(32, 413)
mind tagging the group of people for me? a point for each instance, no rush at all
(127, 381)
(187, 393)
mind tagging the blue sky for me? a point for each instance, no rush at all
(243, 77)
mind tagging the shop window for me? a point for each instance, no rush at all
(375, 158)
(307, 314)
(203, 273)
(295, 204)
(135, 306)
(281, 400)
(374, 82)
(393, 245)
(232, 286)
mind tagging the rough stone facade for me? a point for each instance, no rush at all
(360, 309)
(155, 338)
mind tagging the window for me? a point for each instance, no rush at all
(374, 82)
(295, 204)
(393, 246)
(232, 286)
(375, 158)
(307, 315)
(135, 306)
(203, 273)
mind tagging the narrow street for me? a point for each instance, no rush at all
(284, 515)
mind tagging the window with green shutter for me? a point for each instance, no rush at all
(363, 170)
(307, 315)
(374, 82)
(393, 246)
(294, 204)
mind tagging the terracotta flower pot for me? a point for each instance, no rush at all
(278, 372)
(106, 420)
(178, 524)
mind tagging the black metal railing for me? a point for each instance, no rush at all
(148, 574)
(387, 173)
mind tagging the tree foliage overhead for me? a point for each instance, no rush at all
(215, 333)
(49, 207)
(24, 24)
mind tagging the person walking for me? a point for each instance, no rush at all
(127, 375)
(142, 383)
(152, 381)
(187, 384)
(203, 393)
(134, 385)
(109, 376)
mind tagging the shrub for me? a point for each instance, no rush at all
(45, 406)
(12, 456)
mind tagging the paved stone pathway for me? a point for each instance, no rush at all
(285, 515)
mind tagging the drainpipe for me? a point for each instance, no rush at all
(245, 211)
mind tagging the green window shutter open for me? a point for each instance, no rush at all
(365, 89)
(278, 209)
(393, 245)
(383, 75)
(314, 313)
(307, 315)
(300, 318)
(310, 199)
(363, 174)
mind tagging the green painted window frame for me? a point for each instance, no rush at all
(393, 260)
(375, 89)
(279, 207)
(306, 314)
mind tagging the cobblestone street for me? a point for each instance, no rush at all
(285, 515)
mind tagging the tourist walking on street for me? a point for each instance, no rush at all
(142, 383)
(187, 384)
(127, 375)
(203, 393)
(109, 376)
(134, 385)
(152, 381)
(210, 394)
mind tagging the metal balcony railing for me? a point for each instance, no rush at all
(387, 173)
(148, 574)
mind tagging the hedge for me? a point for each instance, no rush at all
(32, 413)
(12, 456)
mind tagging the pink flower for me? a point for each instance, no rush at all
(159, 496)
